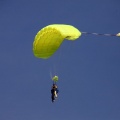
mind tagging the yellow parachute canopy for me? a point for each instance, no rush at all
(49, 39)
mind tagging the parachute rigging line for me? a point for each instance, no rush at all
(100, 34)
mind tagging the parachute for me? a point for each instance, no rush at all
(48, 39)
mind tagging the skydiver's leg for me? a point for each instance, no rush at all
(55, 94)
(52, 97)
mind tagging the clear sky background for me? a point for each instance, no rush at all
(88, 68)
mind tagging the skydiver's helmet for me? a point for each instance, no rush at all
(53, 86)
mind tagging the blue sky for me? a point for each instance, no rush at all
(88, 68)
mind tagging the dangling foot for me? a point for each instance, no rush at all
(53, 101)
(56, 96)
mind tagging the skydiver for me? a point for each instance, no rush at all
(54, 92)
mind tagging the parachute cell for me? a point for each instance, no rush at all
(49, 39)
